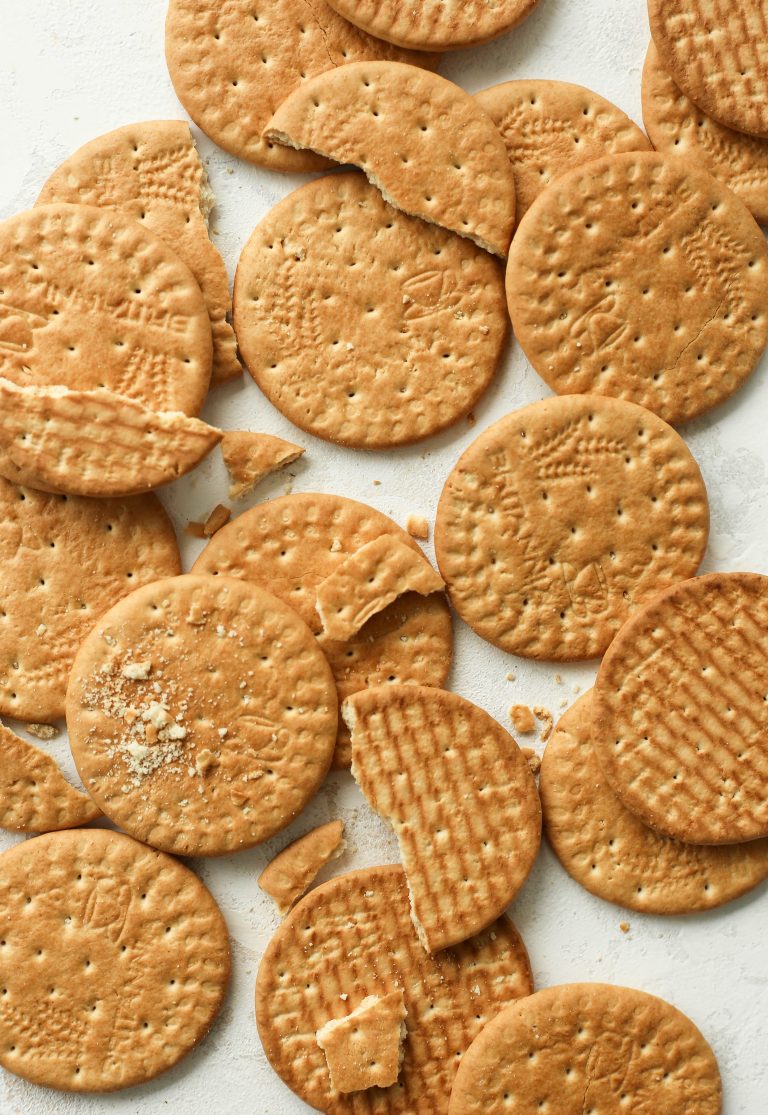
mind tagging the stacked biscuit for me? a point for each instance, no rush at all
(205, 708)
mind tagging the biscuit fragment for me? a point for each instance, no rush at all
(589, 1047)
(151, 171)
(460, 797)
(680, 713)
(418, 527)
(435, 24)
(34, 794)
(370, 579)
(106, 940)
(291, 873)
(421, 140)
(609, 850)
(353, 937)
(218, 518)
(522, 719)
(96, 443)
(250, 457)
(365, 1049)
(549, 127)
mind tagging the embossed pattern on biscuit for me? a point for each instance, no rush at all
(562, 517)
(610, 852)
(114, 961)
(642, 277)
(353, 936)
(34, 794)
(588, 1047)
(681, 712)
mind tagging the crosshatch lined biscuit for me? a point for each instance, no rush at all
(588, 1047)
(291, 873)
(365, 1049)
(363, 325)
(611, 853)
(370, 579)
(232, 64)
(90, 299)
(643, 277)
(114, 961)
(461, 799)
(435, 24)
(34, 794)
(549, 127)
(716, 53)
(290, 545)
(201, 714)
(678, 127)
(421, 140)
(151, 171)
(95, 443)
(680, 713)
(250, 457)
(564, 516)
(65, 561)
(353, 937)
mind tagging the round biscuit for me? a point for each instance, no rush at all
(353, 937)
(643, 277)
(201, 714)
(364, 326)
(680, 710)
(435, 24)
(114, 961)
(562, 517)
(612, 854)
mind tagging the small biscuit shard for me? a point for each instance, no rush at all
(96, 443)
(522, 718)
(218, 518)
(42, 731)
(34, 794)
(624, 926)
(290, 874)
(368, 581)
(533, 760)
(417, 527)
(365, 1049)
(545, 717)
(250, 457)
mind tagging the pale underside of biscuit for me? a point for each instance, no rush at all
(365, 1049)
(152, 171)
(427, 145)
(34, 794)
(250, 457)
(370, 579)
(291, 873)
(96, 443)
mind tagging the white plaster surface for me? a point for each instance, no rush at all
(72, 69)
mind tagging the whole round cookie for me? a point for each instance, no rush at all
(90, 299)
(607, 849)
(435, 24)
(549, 127)
(680, 713)
(362, 325)
(65, 561)
(201, 714)
(677, 126)
(562, 517)
(642, 277)
(114, 960)
(353, 937)
(716, 54)
(585, 1048)
(232, 64)
(151, 171)
(290, 545)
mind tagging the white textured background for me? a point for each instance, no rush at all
(72, 69)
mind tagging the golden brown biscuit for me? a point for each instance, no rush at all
(365, 1050)
(250, 457)
(34, 794)
(291, 873)
(435, 24)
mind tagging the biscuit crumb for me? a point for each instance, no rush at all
(558, 679)
(205, 760)
(471, 420)
(534, 761)
(511, 677)
(218, 518)
(564, 702)
(417, 527)
(624, 926)
(335, 546)
(42, 731)
(196, 529)
(522, 719)
(545, 716)
(137, 671)
(577, 689)
(41, 629)
(376, 483)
